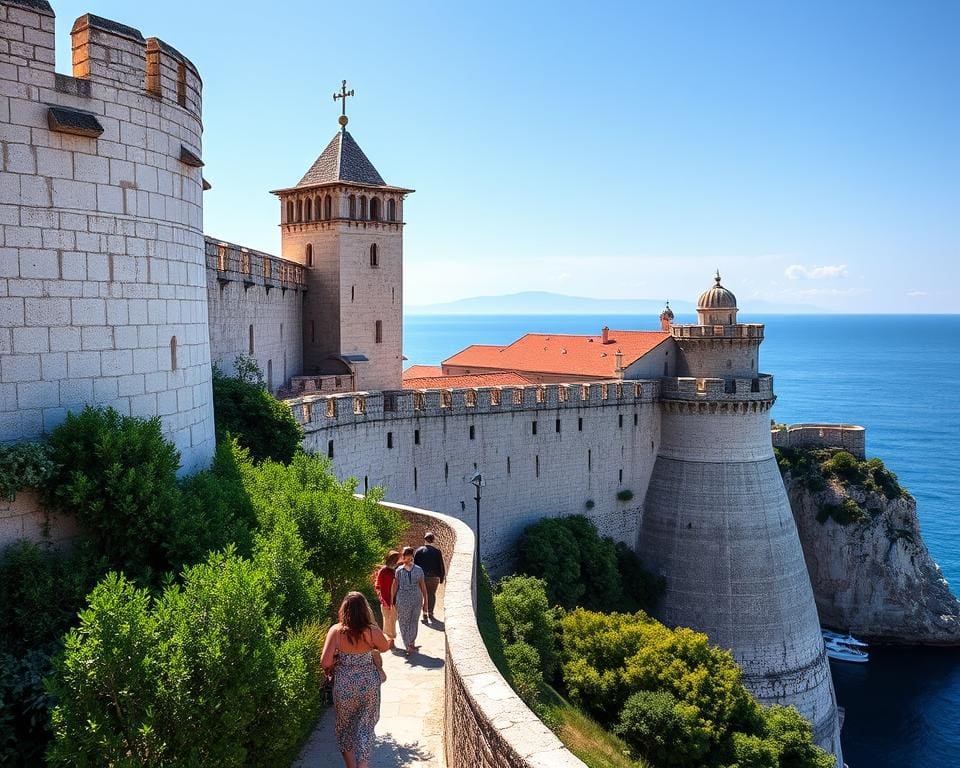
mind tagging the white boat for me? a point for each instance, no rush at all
(842, 652)
(847, 639)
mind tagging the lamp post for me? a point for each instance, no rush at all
(477, 482)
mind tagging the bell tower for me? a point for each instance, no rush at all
(344, 223)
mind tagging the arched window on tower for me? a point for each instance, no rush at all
(289, 211)
(328, 207)
(392, 210)
(363, 207)
(375, 209)
(374, 256)
(173, 353)
(250, 346)
(308, 209)
(317, 203)
(378, 332)
(353, 206)
(309, 255)
(299, 210)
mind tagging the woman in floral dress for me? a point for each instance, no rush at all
(409, 595)
(348, 658)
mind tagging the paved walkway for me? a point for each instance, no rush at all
(410, 731)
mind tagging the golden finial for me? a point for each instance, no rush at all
(343, 120)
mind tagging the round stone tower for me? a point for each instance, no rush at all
(717, 522)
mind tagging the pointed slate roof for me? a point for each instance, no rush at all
(342, 160)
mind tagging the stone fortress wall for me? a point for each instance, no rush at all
(544, 451)
(103, 295)
(849, 437)
(255, 303)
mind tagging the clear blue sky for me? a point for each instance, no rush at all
(811, 150)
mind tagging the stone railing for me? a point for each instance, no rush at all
(690, 388)
(850, 437)
(738, 331)
(486, 725)
(235, 263)
(321, 411)
(299, 386)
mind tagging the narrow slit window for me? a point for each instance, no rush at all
(508, 465)
(378, 332)
(416, 437)
(636, 419)
(621, 476)
(389, 439)
(534, 427)
(473, 432)
(250, 345)
(557, 426)
(580, 424)
(620, 421)
(374, 256)
(309, 255)
(446, 471)
(173, 353)
(366, 484)
(536, 466)
(414, 478)
(589, 460)
(329, 449)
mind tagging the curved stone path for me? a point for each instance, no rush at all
(410, 731)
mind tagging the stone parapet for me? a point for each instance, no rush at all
(849, 437)
(318, 411)
(759, 388)
(230, 262)
(486, 725)
(749, 331)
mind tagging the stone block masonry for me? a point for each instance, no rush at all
(103, 295)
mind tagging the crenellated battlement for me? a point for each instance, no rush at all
(733, 389)
(318, 411)
(231, 262)
(752, 332)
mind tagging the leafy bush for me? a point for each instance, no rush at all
(24, 706)
(844, 466)
(663, 729)
(582, 569)
(524, 616)
(845, 513)
(243, 408)
(118, 476)
(524, 662)
(624, 495)
(882, 479)
(345, 537)
(203, 675)
(24, 465)
(549, 551)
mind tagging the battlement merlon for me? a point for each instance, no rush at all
(27, 40)
(231, 262)
(319, 411)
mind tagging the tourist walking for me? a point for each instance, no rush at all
(383, 583)
(348, 657)
(430, 559)
(409, 595)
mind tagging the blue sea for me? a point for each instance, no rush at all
(899, 376)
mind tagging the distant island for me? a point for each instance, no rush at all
(546, 303)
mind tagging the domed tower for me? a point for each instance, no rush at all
(717, 522)
(666, 318)
(345, 224)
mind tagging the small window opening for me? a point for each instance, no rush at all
(589, 460)
(308, 209)
(173, 353)
(620, 421)
(182, 84)
(389, 439)
(536, 464)
(250, 345)
(366, 484)
(557, 426)
(414, 478)
(374, 256)
(621, 476)
(508, 465)
(446, 471)
(299, 210)
(473, 432)
(580, 424)
(416, 437)
(309, 255)
(534, 427)
(328, 207)
(375, 208)
(353, 206)
(392, 210)
(353, 290)
(363, 207)
(289, 211)
(378, 332)
(330, 450)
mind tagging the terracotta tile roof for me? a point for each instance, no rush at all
(560, 353)
(496, 379)
(419, 371)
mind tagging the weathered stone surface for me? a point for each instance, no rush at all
(874, 578)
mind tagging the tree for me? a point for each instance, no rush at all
(549, 551)
(524, 616)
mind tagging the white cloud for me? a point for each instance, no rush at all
(798, 271)
(916, 294)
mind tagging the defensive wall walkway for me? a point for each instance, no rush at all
(448, 707)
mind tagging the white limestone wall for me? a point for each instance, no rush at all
(101, 257)
(527, 476)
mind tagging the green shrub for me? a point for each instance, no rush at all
(641, 589)
(549, 551)
(117, 475)
(792, 734)
(845, 513)
(526, 671)
(24, 706)
(24, 465)
(345, 537)
(243, 408)
(598, 565)
(663, 729)
(203, 675)
(624, 495)
(750, 751)
(883, 479)
(844, 466)
(524, 616)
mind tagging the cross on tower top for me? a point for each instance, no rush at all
(344, 93)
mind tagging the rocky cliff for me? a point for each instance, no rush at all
(870, 569)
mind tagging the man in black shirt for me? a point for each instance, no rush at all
(430, 559)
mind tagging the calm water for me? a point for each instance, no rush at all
(898, 376)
